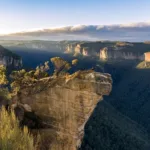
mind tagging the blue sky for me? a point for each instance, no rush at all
(17, 15)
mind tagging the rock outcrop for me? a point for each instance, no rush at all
(147, 57)
(65, 105)
(9, 59)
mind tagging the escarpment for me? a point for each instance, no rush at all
(106, 54)
(9, 59)
(109, 50)
(65, 104)
(115, 49)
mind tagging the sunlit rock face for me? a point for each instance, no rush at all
(65, 105)
(77, 50)
(69, 49)
(147, 57)
(106, 54)
(9, 59)
(103, 54)
(85, 52)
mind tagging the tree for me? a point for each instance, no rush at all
(17, 80)
(42, 70)
(61, 66)
(46, 67)
(74, 62)
(4, 92)
(3, 78)
(18, 74)
(22, 77)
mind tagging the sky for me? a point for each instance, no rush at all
(28, 15)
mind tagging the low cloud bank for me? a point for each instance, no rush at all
(124, 32)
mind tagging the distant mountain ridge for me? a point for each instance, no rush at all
(103, 50)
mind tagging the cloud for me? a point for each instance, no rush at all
(128, 32)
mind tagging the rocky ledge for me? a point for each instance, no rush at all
(65, 104)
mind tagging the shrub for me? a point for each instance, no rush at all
(11, 136)
(61, 66)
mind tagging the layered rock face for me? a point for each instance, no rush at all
(109, 50)
(106, 51)
(65, 105)
(78, 49)
(106, 54)
(85, 52)
(9, 59)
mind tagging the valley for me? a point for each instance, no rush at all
(121, 119)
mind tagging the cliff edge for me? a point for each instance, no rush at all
(65, 104)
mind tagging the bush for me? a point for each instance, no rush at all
(11, 136)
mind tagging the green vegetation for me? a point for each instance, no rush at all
(5, 93)
(22, 78)
(107, 129)
(12, 137)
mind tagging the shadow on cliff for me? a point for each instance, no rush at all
(131, 96)
(107, 129)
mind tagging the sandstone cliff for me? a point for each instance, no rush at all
(64, 105)
(9, 59)
(80, 49)
(109, 50)
(106, 54)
